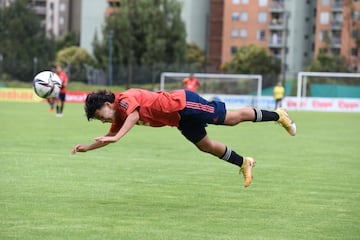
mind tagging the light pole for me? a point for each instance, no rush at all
(1, 64)
(35, 61)
(111, 33)
(284, 53)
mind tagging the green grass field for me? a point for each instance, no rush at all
(153, 184)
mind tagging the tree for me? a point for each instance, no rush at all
(326, 62)
(75, 57)
(24, 46)
(195, 56)
(253, 59)
(145, 33)
(69, 40)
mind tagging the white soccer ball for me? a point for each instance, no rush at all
(46, 84)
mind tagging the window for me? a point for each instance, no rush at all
(356, 34)
(62, 7)
(262, 17)
(262, 3)
(233, 50)
(245, 2)
(324, 35)
(335, 51)
(325, 2)
(244, 17)
(236, 1)
(324, 18)
(235, 16)
(354, 52)
(356, 16)
(61, 21)
(261, 35)
(243, 33)
(323, 50)
(234, 33)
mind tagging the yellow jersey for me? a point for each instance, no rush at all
(279, 92)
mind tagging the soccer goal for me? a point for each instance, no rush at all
(327, 85)
(235, 89)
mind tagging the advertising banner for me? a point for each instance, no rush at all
(231, 101)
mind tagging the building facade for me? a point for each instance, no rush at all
(293, 31)
(338, 30)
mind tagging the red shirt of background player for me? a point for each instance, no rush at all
(191, 83)
(64, 81)
(156, 109)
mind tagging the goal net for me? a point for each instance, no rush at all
(327, 85)
(236, 90)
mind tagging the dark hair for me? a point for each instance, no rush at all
(96, 100)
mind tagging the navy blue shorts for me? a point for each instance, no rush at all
(62, 96)
(197, 113)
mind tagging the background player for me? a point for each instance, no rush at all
(60, 99)
(191, 83)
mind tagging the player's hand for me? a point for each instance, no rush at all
(106, 139)
(78, 148)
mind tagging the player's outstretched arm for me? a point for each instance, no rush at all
(130, 121)
(95, 145)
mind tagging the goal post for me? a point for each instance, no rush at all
(210, 77)
(302, 79)
(324, 80)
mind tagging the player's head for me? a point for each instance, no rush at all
(58, 68)
(97, 104)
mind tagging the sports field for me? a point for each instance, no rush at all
(153, 184)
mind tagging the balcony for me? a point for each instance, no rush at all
(336, 25)
(335, 42)
(337, 6)
(277, 6)
(40, 10)
(277, 24)
(276, 43)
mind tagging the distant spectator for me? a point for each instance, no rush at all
(279, 92)
(191, 83)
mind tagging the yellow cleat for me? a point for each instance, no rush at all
(285, 121)
(246, 170)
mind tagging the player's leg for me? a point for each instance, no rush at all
(223, 152)
(62, 98)
(51, 104)
(233, 118)
(196, 134)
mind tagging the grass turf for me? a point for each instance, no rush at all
(153, 184)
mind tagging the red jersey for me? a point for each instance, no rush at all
(156, 109)
(64, 81)
(191, 84)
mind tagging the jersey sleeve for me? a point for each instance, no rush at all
(124, 106)
(127, 104)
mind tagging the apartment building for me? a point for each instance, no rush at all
(337, 28)
(294, 31)
(58, 17)
(284, 27)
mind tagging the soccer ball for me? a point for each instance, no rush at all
(46, 84)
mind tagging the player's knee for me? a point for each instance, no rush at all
(205, 148)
